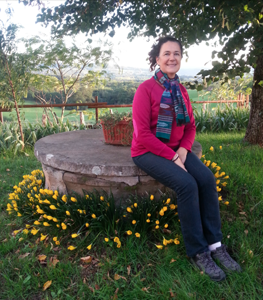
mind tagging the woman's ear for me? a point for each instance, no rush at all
(157, 59)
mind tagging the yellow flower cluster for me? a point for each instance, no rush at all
(221, 177)
(117, 240)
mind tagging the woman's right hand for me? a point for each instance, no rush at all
(180, 164)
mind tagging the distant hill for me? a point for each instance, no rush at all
(140, 74)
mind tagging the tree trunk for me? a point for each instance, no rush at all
(254, 133)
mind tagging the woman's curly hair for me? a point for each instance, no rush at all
(157, 47)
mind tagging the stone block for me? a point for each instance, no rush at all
(54, 179)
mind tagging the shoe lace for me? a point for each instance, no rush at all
(225, 256)
(208, 261)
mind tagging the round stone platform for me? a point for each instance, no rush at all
(80, 160)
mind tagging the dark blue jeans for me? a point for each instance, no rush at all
(197, 198)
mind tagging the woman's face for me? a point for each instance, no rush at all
(169, 59)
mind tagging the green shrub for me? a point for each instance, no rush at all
(221, 119)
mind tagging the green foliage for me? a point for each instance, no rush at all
(113, 118)
(221, 119)
(15, 67)
(117, 92)
(230, 89)
(237, 25)
(68, 69)
(10, 135)
(147, 273)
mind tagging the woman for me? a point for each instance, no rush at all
(164, 131)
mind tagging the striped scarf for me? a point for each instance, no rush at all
(172, 105)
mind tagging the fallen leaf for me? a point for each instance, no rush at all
(246, 232)
(171, 293)
(116, 292)
(41, 257)
(56, 249)
(47, 285)
(92, 289)
(167, 231)
(129, 270)
(143, 279)
(97, 287)
(172, 260)
(7, 170)
(145, 289)
(5, 240)
(117, 277)
(24, 255)
(16, 269)
(86, 259)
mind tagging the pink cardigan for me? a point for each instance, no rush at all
(145, 111)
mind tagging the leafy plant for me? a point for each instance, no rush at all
(114, 130)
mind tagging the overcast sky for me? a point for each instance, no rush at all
(130, 54)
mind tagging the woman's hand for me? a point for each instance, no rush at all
(182, 152)
(180, 164)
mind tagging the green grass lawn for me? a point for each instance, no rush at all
(138, 270)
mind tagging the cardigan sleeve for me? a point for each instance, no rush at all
(142, 124)
(190, 129)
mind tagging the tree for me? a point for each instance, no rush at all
(65, 69)
(238, 25)
(15, 72)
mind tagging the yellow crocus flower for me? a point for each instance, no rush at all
(74, 235)
(71, 248)
(129, 210)
(159, 246)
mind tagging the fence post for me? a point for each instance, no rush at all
(97, 110)
(82, 120)
(204, 107)
(1, 117)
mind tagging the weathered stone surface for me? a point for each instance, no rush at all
(54, 179)
(197, 149)
(80, 160)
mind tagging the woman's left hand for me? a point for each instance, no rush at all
(182, 152)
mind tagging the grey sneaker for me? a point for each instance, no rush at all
(228, 263)
(205, 263)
